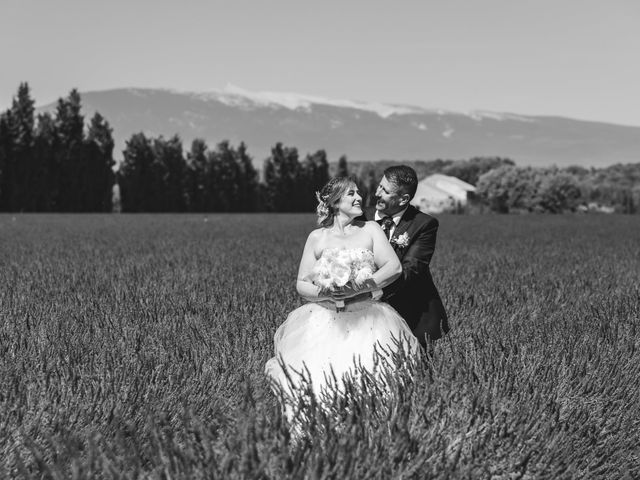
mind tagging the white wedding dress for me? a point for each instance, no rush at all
(324, 343)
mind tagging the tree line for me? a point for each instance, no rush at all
(155, 176)
(512, 189)
(52, 163)
(56, 163)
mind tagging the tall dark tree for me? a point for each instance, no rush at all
(6, 161)
(305, 188)
(369, 191)
(46, 175)
(19, 165)
(214, 186)
(266, 197)
(343, 168)
(99, 159)
(73, 170)
(226, 181)
(196, 177)
(282, 173)
(247, 180)
(320, 169)
(169, 169)
(139, 190)
(314, 174)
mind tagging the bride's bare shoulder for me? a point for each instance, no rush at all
(316, 235)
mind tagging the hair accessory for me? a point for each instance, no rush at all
(322, 209)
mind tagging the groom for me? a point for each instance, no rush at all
(413, 237)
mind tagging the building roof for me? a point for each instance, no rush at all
(438, 188)
(443, 181)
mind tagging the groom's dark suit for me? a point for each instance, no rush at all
(414, 295)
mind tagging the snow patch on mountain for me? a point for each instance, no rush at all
(480, 115)
(233, 95)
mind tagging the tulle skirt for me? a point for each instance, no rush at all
(318, 344)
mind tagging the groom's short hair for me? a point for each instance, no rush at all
(403, 177)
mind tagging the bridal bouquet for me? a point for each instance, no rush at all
(337, 267)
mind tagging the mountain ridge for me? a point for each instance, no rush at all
(363, 131)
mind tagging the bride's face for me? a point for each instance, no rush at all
(350, 203)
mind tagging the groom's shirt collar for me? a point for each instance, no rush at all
(396, 218)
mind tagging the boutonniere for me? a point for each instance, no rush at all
(401, 241)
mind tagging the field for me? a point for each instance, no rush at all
(133, 346)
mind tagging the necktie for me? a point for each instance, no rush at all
(387, 224)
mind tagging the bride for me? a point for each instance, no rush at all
(343, 328)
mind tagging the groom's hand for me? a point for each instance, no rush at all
(367, 285)
(342, 293)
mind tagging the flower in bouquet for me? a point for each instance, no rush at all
(362, 274)
(362, 266)
(333, 271)
(321, 274)
(338, 267)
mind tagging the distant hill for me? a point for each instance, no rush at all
(362, 131)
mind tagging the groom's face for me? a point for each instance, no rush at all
(389, 198)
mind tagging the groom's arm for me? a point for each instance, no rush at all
(415, 263)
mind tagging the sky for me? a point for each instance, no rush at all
(572, 58)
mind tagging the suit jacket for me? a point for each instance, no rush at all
(414, 294)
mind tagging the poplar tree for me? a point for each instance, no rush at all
(6, 150)
(73, 171)
(247, 180)
(169, 169)
(47, 174)
(282, 176)
(226, 181)
(343, 168)
(313, 175)
(196, 177)
(99, 146)
(21, 161)
(135, 177)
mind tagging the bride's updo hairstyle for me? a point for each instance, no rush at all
(329, 196)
